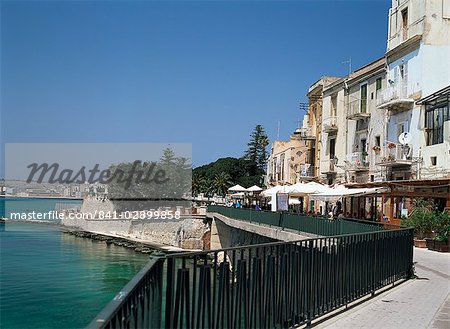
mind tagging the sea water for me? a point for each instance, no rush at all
(50, 279)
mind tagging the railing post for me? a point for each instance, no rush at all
(411, 254)
(169, 294)
(156, 310)
(374, 269)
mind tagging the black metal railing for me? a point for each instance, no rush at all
(139, 303)
(300, 223)
(271, 285)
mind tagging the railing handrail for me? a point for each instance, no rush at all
(280, 243)
(114, 305)
(302, 214)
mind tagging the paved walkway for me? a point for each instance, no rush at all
(420, 303)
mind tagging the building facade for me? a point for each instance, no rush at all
(387, 124)
(288, 161)
(352, 126)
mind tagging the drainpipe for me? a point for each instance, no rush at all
(346, 101)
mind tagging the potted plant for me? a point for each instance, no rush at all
(376, 149)
(441, 232)
(420, 219)
(391, 145)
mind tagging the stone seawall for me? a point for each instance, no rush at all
(92, 204)
(186, 232)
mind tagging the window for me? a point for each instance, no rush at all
(333, 105)
(400, 128)
(364, 158)
(405, 24)
(274, 169)
(377, 141)
(433, 161)
(363, 145)
(364, 98)
(332, 148)
(435, 116)
(377, 86)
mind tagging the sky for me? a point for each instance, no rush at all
(200, 72)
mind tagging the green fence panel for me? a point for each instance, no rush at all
(308, 224)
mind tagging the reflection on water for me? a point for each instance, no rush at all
(53, 280)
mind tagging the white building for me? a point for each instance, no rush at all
(352, 126)
(416, 99)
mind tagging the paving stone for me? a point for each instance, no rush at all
(419, 303)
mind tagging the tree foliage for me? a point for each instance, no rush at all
(218, 176)
(237, 170)
(257, 147)
(150, 184)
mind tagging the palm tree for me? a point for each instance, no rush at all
(221, 183)
(199, 185)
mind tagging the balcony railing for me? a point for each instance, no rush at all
(395, 97)
(358, 161)
(329, 124)
(395, 155)
(306, 170)
(357, 109)
(328, 166)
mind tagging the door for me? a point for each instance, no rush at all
(332, 148)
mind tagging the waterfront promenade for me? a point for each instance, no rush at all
(419, 303)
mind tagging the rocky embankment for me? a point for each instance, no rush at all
(137, 246)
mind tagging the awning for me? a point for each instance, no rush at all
(339, 191)
(435, 96)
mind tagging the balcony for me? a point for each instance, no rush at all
(306, 171)
(328, 167)
(329, 125)
(362, 125)
(395, 155)
(357, 161)
(357, 110)
(395, 98)
(305, 133)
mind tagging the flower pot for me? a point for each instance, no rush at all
(441, 246)
(419, 243)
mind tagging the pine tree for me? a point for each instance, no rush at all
(256, 151)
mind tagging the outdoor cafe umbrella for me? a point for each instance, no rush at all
(237, 188)
(301, 189)
(254, 188)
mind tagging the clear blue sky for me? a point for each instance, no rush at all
(202, 72)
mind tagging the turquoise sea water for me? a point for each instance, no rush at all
(49, 279)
